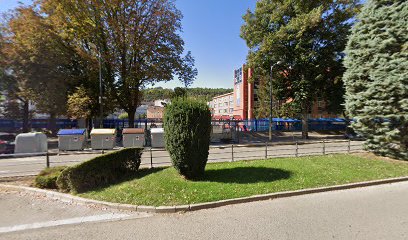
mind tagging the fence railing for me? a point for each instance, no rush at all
(25, 164)
(255, 125)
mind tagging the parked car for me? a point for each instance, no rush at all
(7, 143)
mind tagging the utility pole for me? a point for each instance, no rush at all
(271, 101)
(100, 91)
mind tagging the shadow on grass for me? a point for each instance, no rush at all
(142, 172)
(244, 175)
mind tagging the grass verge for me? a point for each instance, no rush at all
(163, 186)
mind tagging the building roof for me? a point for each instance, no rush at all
(224, 95)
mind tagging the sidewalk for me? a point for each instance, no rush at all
(23, 211)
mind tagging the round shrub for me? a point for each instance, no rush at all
(187, 127)
(47, 178)
(100, 171)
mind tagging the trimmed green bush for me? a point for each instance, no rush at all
(47, 178)
(187, 127)
(100, 171)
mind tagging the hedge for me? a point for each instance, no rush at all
(187, 127)
(100, 171)
(47, 178)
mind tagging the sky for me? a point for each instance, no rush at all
(211, 31)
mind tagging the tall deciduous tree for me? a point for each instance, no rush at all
(17, 94)
(40, 61)
(309, 37)
(376, 79)
(138, 41)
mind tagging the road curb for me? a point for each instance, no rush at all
(199, 206)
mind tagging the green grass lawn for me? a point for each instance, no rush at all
(163, 186)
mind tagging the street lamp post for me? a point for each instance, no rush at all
(100, 91)
(271, 101)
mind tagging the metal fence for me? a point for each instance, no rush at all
(26, 164)
(254, 125)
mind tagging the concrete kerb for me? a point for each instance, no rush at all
(200, 206)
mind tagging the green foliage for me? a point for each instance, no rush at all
(40, 60)
(179, 92)
(376, 77)
(47, 178)
(187, 126)
(138, 41)
(206, 94)
(228, 180)
(123, 116)
(100, 171)
(79, 104)
(308, 37)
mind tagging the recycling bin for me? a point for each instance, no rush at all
(71, 139)
(133, 137)
(31, 143)
(103, 138)
(216, 133)
(157, 136)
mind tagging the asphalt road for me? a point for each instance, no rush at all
(10, 167)
(377, 212)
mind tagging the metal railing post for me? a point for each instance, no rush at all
(297, 149)
(151, 158)
(103, 150)
(232, 152)
(266, 150)
(324, 147)
(47, 159)
(349, 146)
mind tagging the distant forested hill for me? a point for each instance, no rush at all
(206, 94)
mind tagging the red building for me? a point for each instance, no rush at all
(245, 99)
(244, 94)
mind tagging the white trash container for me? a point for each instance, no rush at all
(133, 137)
(71, 139)
(103, 138)
(157, 136)
(31, 143)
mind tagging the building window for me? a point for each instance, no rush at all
(238, 76)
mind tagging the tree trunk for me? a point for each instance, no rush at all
(26, 115)
(52, 124)
(131, 118)
(305, 123)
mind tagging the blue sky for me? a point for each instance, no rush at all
(211, 32)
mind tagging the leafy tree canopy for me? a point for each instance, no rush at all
(138, 42)
(206, 94)
(308, 37)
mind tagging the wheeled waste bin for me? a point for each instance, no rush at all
(31, 143)
(71, 139)
(157, 135)
(103, 138)
(133, 137)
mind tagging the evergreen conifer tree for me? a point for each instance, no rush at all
(376, 79)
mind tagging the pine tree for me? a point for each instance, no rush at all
(376, 79)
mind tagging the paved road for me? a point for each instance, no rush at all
(378, 212)
(21, 211)
(32, 165)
